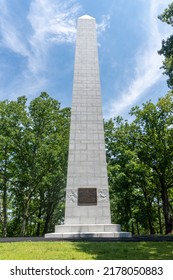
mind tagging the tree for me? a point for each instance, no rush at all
(41, 163)
(11, 115)
(154, 146)
(140, 167)
(33, 158)
(167, 46)
(129, 179)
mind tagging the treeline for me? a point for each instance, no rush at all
(140, 168)
(33, 165)
(34, 143)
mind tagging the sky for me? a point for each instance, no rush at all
(37, 46)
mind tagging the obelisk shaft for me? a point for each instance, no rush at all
(87, 196)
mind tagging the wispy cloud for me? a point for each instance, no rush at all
(52, 22)
(48, 22)
(31, 35)
(10, 34)
(148, 63)
(104, 24)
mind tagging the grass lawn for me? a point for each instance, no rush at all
(86, 251)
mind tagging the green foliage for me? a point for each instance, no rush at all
(140, 167)
(33, 154)
(167, 15)
(167, 46)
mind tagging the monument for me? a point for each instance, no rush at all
(87, 206)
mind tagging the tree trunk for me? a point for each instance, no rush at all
(137, 227)
(24, 221)
(38, 224)
(160, 219)
(166, 207)
(46, 223)
(150, 218)
(152, 230)
(132, 229)
(4, 196)
(149, 212)
(4, 229)
(48, 218)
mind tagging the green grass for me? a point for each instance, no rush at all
(86, 251)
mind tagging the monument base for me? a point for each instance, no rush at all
(88, 231)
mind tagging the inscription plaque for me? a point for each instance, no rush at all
(87, 196)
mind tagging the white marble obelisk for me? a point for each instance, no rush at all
(87, 159)
(87, 207)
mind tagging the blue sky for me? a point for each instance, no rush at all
(37, 45)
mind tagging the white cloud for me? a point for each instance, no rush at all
(11, 37)
(48, 22)
(148, 63)
(104, 24)
(51, 21)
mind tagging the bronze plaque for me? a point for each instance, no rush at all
(87, 196)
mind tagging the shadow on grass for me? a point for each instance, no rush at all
(127, 251)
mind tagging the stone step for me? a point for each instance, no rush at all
(79, 228)
(87, 235)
